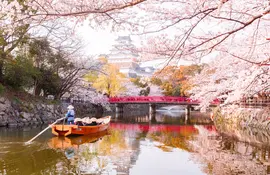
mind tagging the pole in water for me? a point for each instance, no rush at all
(44, 130)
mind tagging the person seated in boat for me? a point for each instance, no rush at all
(70, 115)
(88, 121)
(92, 122)
(79, 121)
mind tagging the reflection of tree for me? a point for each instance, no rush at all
(114, 143)
(173, 139)
(113, 153)
(246, 134)
(223, 155)
(42, 160)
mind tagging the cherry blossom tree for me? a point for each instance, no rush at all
(134, 90)
(87, 94)
(235, 31)
(231, 80)
(15, 13)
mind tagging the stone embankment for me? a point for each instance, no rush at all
(243, 117)
(18, 113)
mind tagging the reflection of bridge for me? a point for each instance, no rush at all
(159, 127)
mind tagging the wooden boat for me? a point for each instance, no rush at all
(66, 130)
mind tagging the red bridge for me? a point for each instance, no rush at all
(157, 99)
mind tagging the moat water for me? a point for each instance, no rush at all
(138, 145)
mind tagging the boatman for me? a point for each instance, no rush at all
(70, 115)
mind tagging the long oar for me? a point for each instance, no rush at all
(44, 130)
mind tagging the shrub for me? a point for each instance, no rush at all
(19, 72)
(2, 88)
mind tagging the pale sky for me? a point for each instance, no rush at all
(100, 41)
(97, 42)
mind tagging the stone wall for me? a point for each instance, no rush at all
(19, 113)
(243, 117)
(88, 110)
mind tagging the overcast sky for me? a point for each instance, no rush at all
(100, 41)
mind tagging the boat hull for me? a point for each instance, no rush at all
(66, 130)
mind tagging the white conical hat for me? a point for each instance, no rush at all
(70, 107)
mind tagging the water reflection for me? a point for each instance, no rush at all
(227, 154)
(68, 142)
(119, 151)
(165, 118)
(91, 154)
(136, 145)
(16, 158)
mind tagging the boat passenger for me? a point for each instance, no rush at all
(70, 115)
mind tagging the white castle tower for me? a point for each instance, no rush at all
(123, 54)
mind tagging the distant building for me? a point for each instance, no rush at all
(160, 63)
(141, 72)
(124, 54)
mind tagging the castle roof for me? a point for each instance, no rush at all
(123, 38)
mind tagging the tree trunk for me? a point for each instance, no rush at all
(57, 96)
(37, 89)
(2, 58)
(1, 71)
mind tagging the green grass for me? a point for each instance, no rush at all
(20, 96)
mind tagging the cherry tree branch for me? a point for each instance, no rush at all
(178, 21)
(262, 63)
(229, 33)
(95, 11)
